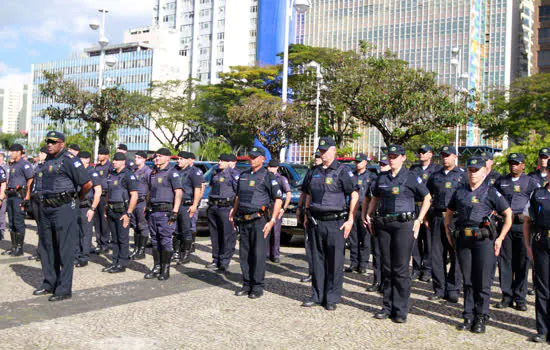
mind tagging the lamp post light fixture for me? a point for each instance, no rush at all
(456, 61)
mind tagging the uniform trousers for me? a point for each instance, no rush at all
(101, 227)
(161, 231)
(252, 253)
(121, 238)
(85, 228)
(541, 256)
(222, 234)
(513, 263)
(138, 220)
(16, 215)
(360, 243)
(445, 282)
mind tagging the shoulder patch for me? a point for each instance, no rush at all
(132, 177)
(419, 180)
(70, 155)
(27, 166)
(199, 173)
(498, 193)
(350, 173)
(77, 164)
(94, 174)
(274, 182)
(175, 174)
(237, 177)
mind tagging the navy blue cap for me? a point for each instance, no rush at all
(232, 157)
(55, 136)
(74, 146)
(383, 159)
(424, 149)
(17, 147)
(359, 157)
(326, 143)
(45, 149)
(396, 149)
(122, 147)
(516, 157)
(544, 152)
(256, 151)
(225, 157)
(475, 162)
(448, 150)
(487, 155)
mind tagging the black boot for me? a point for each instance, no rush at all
(141, 249)
(12, 248)
(137, 242)
(193, 244)
(176, 244)
(186, 251)
(19, 239)
(155, 272)
(165, 265)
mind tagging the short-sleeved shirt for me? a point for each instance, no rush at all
(471, 206)
(425, 174)
(104, 171)
(538, 208)
(63, 173)
(191, 178)
(539, 177)
(95, 182)
(223, 184)
(283, 182)
(364, 181)
(328, 187)
(492, 177)
(20, 172)
(120, 184)
(163, 183)
(442, 184)
(256, 190)
(397, 194)
(516, 191)
(143, 177)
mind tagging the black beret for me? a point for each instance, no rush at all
(84, 154)
(44, 149)
(141, 154)
(74, 146)
(164, 152)
(17, 147)
(119, 156)
(273, 163)
(123, 147)
(232, 157)
(225, 157)
(103, 150)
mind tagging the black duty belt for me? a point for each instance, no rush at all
(85, 204)
(16, 192)
(56, 200)
(248, 217)
(186, 202)
(161, 207)
(329, 216)
(401, 217)
(141, 199)
(117, 207)
(221, 202)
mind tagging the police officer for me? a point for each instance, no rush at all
(130, 164)
(165, 193)
(139, 221)
(74, 149)
(87, 207)
(477, 241)
(513, 261)
(274, 241)
(492, 174)
(122, 196)
(422, 264)
(19, 194)
(103, 235)
(442, 184)
(35, 196)
(223, 189)
(360, 237)
(397, 226)
(300, 214)
(536, 235)
(62, 174)
(256, 190)
(541, 174)
(3, 203)
(328, 224)
(195, 217)
(191, 181)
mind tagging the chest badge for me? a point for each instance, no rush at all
(101, 172)
(517, 188)
(359, 182)
(50, 168)
(159, 180)
(252, 183)
(425, 176)
(115, 183)
(492, 181)
(396, 190)
(40, 174)
(448, 184)
(13, 170)
(329, 180)
(222, 179)
(475, 199)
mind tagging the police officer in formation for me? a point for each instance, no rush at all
(541, 174)
(492, 174)
(18, 194)
(397, 226)
(513, 261)
(62, 175)
(35, 196)
(360, 237)
(165, 196)
(122, 196)
(329, 221)
(87, 207)
(422, 264)
(476, 240)
(258, 197)
(103, 235)
(274, 241)
(223, 189)
(138, 219)
(191, 181)
(442, 184)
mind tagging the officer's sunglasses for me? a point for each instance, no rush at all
(53, 142)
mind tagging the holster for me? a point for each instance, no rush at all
(118, 207)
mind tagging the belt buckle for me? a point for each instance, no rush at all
(468, 232)
(247, 216)
(443, 214)
(547, 233)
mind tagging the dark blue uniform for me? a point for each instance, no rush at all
(328, 188)
(119, 186)
(84, 247)
(138, 220)
(442, 185)
(360, 237)
(16, 190)
(223, 189)
(255, 191)
(422, 246)
(538, 209)
(3, 205)
(274, 241)
(61, 176)
(394, 226)
(540, 178)
(103, 235)
(513, 261)
(492, 177)
(476, 256)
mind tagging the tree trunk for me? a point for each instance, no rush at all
(103, 131)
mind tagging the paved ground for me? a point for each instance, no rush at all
(196, 309)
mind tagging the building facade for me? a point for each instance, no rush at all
(14, 104)
(541, 47)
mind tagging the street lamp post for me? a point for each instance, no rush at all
(317, 103)
(457, 62)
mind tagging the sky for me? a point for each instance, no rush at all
(37, 31)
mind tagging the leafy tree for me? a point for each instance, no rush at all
(109, 107)
(7, 139)
(212, 149)
(530, 147)
(262, 116)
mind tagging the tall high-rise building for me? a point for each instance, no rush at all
(213, 34)
(14, 104)
(541, 46)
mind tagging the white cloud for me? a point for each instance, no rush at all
(8, 38)
(6, 70)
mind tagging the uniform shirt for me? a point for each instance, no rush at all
(223, 185)
(191, 178)
(20, 172)
(363, 183)
(162, 184)
(64, 173)
(104, 172)
(143, 177)
(442, 186)
(329, 187)
(472, 206)
(256, 190)
(119, 186)
(3, 176)
(537, 175)
(37, 183)
(397, 194)
(95, 181)
(425, 174)
(283, 183)
(538, 208)
(493, 177)
(518, 192)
